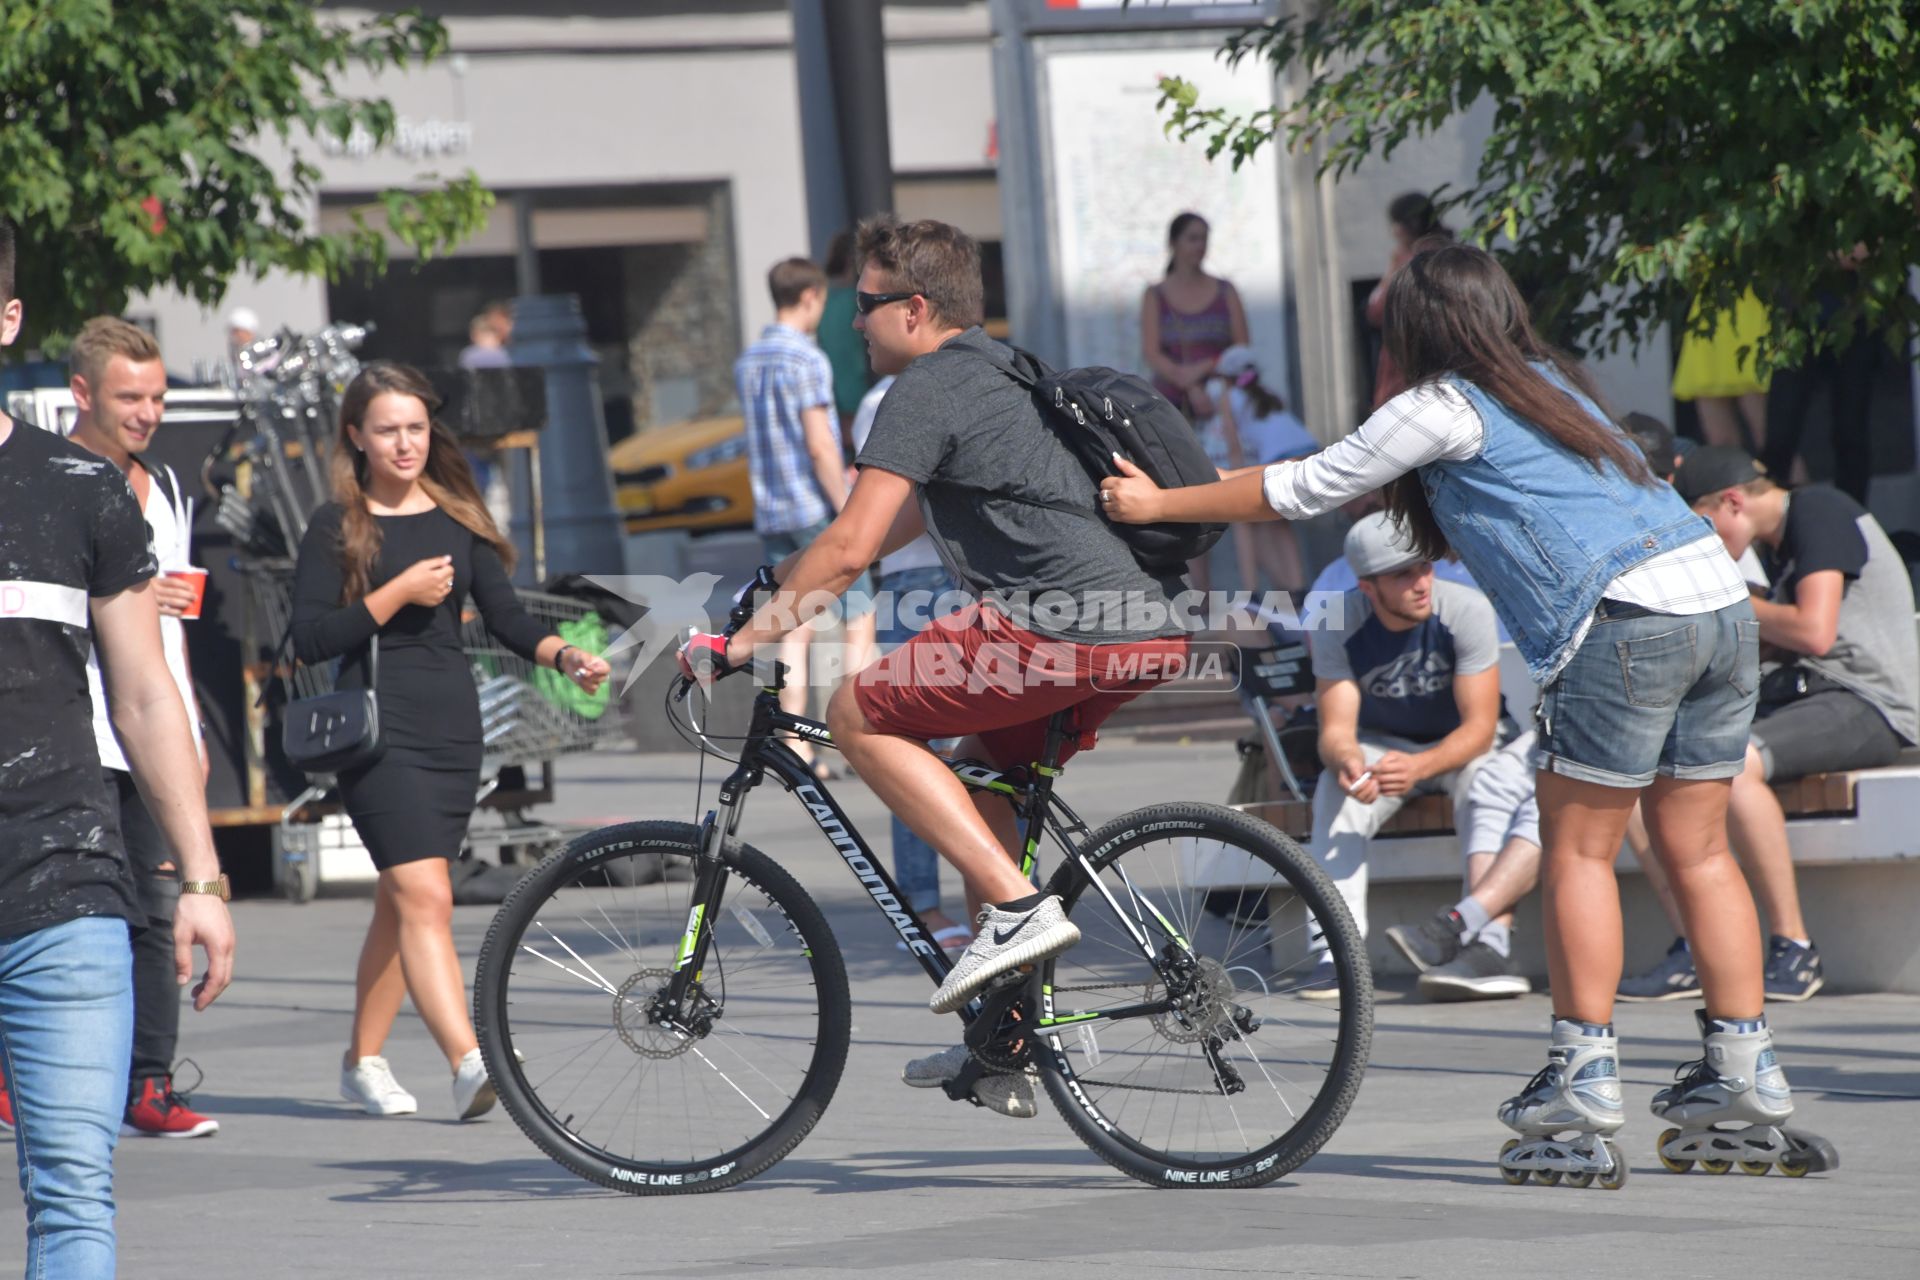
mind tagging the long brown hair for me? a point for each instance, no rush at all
(447, 478)
(1453, 310)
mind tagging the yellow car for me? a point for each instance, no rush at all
(690, 475)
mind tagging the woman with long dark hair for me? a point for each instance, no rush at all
(396, 554)
(1636, 624)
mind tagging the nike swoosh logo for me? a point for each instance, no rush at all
(1002, 939)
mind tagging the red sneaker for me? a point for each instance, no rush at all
(6, 1104)
(159, 1112)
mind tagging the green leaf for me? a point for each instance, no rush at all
(104, 105)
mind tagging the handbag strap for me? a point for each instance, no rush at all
(284, 650)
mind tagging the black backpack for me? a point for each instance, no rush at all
(1099, 412)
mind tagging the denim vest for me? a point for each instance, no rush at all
(1544, 530)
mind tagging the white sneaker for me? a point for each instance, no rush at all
(1010, 1095)
(473, 1094)
(1003, 942)
(370, 1083)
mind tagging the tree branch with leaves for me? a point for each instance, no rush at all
(1643, 153)
(132, 137)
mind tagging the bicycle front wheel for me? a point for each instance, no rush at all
(1206, 1064)
(568, 1003)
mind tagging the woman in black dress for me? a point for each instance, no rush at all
(405, 542)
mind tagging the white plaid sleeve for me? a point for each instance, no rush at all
(1423, 424)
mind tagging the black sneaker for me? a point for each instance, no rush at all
(1673, 978)
(1431, 943)
(1793, 971)
(1477, 973)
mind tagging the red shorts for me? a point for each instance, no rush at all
(975, 673)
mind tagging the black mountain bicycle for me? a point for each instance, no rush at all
(663, 1009)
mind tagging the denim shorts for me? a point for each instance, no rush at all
(857, 599)
(1653, 694)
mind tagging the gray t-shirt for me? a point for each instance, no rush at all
(974, 442)
(1875, 651)
(1406, 677)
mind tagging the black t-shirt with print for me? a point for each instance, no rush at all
(70, 529)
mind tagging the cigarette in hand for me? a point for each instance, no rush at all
(1359, 782)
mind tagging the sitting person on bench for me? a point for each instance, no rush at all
(1408, 687)
(1465, 952)
(1840, 689)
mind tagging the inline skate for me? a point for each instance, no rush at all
(1577, 1095)
(1731, 1106)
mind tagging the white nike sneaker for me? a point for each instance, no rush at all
(370, 1083)
(473, 1094)
(1002, 942)
(1009, 1094)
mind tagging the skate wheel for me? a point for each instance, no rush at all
(1615, 1178)
(1512, 1177)
(1716, 1166)
(1755, 1168)
(1580, 1180)
(1672, 1165)
(1795, 1168)
(1547, 1177)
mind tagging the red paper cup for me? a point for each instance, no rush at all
(197, 579)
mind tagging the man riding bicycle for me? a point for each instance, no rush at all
(1063, 616)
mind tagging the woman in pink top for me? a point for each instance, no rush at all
(1188, 319)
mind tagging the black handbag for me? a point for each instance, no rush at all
(335, 732)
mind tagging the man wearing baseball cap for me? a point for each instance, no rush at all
(1842, 688)
(1408, 687)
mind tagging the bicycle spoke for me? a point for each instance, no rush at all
(1232, 1067)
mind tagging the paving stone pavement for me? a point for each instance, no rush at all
(900, 1182)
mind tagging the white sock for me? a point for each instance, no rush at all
(1472, 913)
(1497, 936)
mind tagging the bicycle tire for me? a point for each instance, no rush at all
(1067, 1067)
(806, 944)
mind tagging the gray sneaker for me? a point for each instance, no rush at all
(1002, 942)
(1433, 942)
(1010, 1095)
(1673, 978)
(1477, 973)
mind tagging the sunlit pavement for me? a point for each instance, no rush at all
(902, 1182)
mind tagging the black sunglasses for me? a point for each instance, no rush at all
(868, 303)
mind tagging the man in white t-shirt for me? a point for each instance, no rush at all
(119, 386)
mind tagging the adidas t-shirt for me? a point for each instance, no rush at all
(1406, 677)
(69, 530)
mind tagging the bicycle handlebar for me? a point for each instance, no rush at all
(744, 605)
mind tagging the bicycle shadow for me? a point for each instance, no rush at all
(1401, 1168)
(921, 1170)
(464, 1181)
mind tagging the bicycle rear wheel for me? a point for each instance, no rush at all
(1244, 1079)
(566, 993)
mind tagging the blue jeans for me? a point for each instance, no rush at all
(1653, 694)
(66, 1030)
(915, 865)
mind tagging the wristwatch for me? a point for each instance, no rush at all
(219, 888)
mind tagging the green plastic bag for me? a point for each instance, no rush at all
(588, 634)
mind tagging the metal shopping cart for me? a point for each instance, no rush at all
(529, 717)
